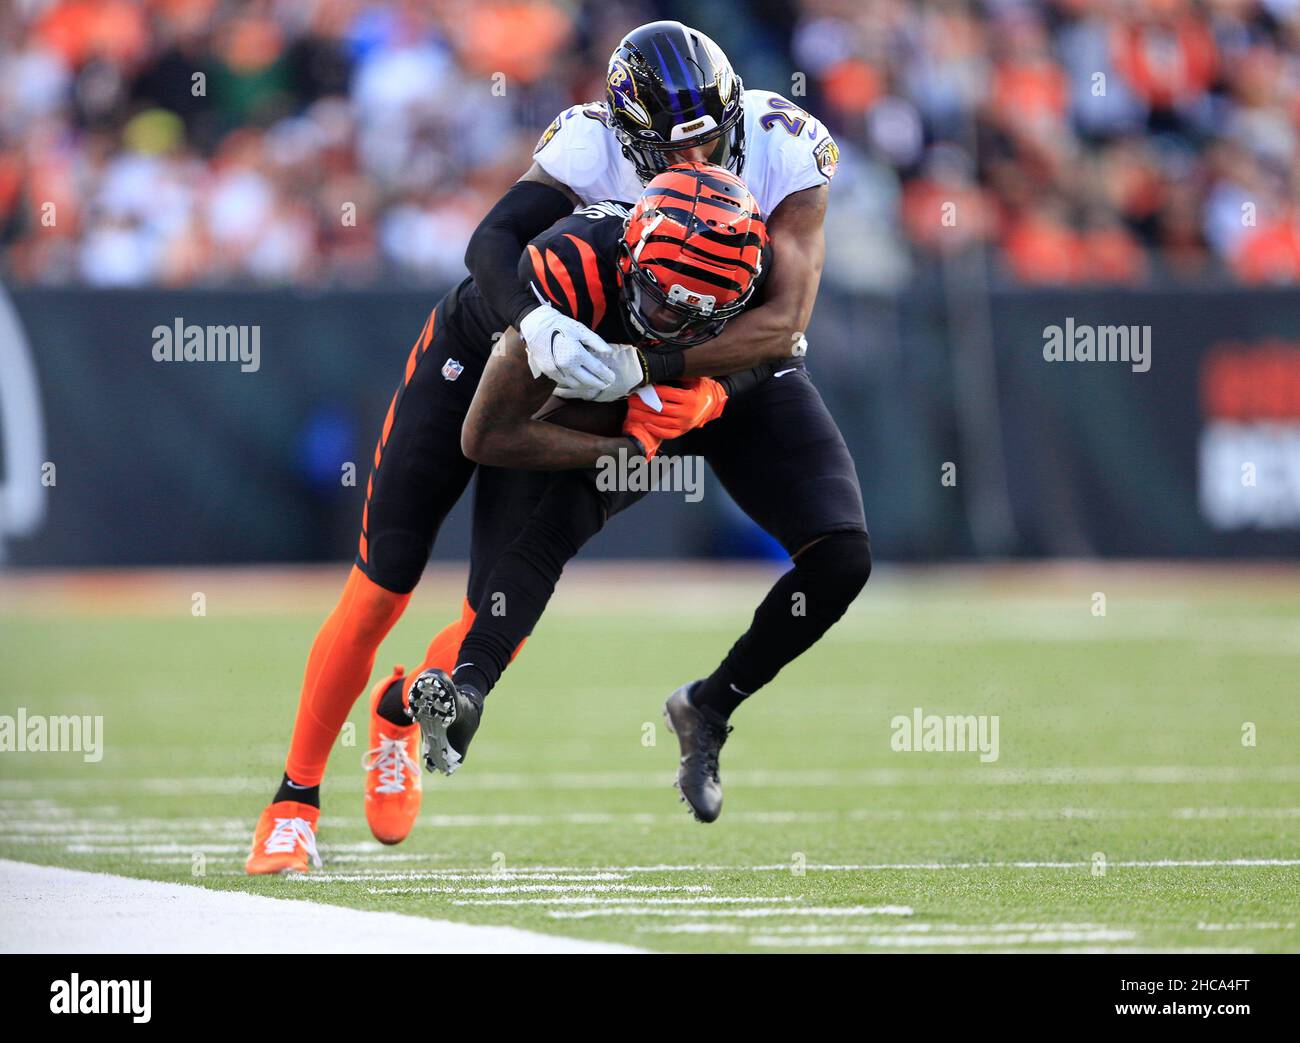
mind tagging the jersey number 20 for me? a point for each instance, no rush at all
(788, 116)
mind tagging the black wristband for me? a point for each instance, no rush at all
(746, 380)
(662, 367)
(521, 304)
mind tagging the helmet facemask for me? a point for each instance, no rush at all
(654, 157)
(670, 89)
(667, 315)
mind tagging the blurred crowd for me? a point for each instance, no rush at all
(323, 142)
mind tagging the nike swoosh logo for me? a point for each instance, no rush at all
(554, 334)
(783, 372)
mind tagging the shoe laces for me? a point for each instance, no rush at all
(709, 740)
(288, 834)
(391, 760)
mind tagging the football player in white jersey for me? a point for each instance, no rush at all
(673, 97)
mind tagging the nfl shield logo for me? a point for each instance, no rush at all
(451, 369)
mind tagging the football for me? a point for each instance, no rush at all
(594, 418)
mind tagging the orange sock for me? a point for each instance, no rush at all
(338, 668)
(445, 646)
(446, 643)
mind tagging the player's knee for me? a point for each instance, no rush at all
(855, 558)
(546, 549)
(841, 563)
(397, 560)
(557, 538)
(371, 610)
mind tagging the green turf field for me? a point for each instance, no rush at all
(1123, 812)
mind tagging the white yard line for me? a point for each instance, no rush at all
(928, 775)
(874, 928)
(614, 901)
(1266, 926)
(643, 909)
(621, 872)
(154, 839)
(362, 876)
(565, 889)
(1164, 863)
(1135, 950)
(896, 927)
(944, 941)
(334, 857)
(46, 909)
(999, 937)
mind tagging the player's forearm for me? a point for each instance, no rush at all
(492, 257)
(534, 445)
(750, 340)
(499, 429)
(771, 331)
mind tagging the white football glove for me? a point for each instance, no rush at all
(565, 351)
(625, 361)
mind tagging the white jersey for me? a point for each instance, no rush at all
(786, 151)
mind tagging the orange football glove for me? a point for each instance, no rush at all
(684, 408)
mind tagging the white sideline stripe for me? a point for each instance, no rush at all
(784, 778)
(902, 928)
(47, 909)
(613, 901)
(958, 935)
(479, 877)
(791, 910)
(1135, 950)
(118, 838)
(384, 876)
(694, 928)
(1268, 926)
(522, 872)
(1167, 863)
(946, 940)
(568, 889)
(334, 856)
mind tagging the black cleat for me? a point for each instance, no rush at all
(448, 718)
(701, 734)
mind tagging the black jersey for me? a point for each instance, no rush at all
(573, 266)
(471, 320)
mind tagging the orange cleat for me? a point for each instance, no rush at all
(393, 785)
(284, 840)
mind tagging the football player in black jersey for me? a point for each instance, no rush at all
(589, 267)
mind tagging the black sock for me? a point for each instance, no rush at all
(798, 610)
(715, 694)
(301, 794)
(391, 707)
(469, 677)
(710, 710)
